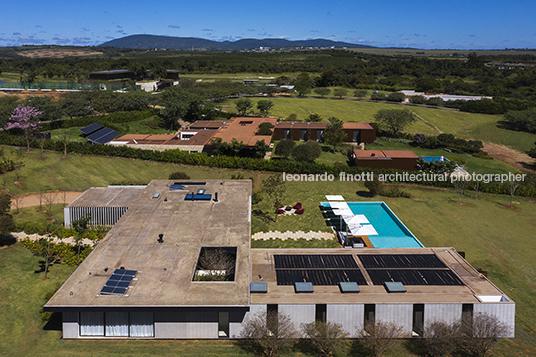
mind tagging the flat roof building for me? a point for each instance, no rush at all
(387, 159)
(146, 278)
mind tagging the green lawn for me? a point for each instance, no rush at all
(430, 121)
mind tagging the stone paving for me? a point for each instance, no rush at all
(292, 235)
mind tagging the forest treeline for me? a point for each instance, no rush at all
(475, 75)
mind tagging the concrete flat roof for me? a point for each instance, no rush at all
(165, 270)
(395, 154)
(475, 284)
(112, 196)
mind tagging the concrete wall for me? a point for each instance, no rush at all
(350, 316)
(448, 313)
(299, 314)
(70, 325)
(400, 314)
(505, 312)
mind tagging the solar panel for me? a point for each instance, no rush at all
(401, 261)
(319, 276)
(414, 276)
(176, 187)
(102, 136)
(118, 282)
(91, 128)
(193, 197)
(315, 261)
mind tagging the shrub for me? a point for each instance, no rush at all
(265, 129)
(308, 152)
(284, 147)
(374, 186)
(256, 197)
(179, 175)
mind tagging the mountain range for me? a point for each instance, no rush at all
(189, 43)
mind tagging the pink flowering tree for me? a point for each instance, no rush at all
(26, 119)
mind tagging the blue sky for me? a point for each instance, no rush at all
(428, 24)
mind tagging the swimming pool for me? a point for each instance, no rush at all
(434, 158)
(391, 232)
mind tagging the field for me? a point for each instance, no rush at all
(429, 121)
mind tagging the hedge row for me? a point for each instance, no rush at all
(526, 188)
(105, 120)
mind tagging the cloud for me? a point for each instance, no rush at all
(85, 29)
(30, 40)
(174, 26)
(81, 40)
(7, 39)
(61, 40)
(109, 37)
(352, 31)
(251, 30)
(416, 34)
(472, 36)
(207, 30)
(17, 34)
(316, 31)
(38, 26)
(120, 31)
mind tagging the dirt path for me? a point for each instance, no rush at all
(33, 200)
(517, 159)
(428, 123)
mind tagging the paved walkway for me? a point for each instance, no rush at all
(70, 240)
(292, 235)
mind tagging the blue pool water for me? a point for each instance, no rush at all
(392, 233)
(434, 158)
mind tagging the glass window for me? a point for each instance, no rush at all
(117, 324)
(141, 324)
(91, 324)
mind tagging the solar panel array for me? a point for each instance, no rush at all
(119, 282)
(400, 261)
(91, 128)
(414, 276)
(102, 136)
(331, 269)
(319, 269)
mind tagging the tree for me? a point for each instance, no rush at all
(265, 129)
(271, 332)
(261, 148)
(380, 337)
(81, 226)
(49, 199)
(459, 181)
(394, 120)
(308, 152)
(334, 133)
(65, 139)
(396, 97)
(264, 106)
(377, 96)
(74, 105)
(314, 118)
(217, 264)
(7, 225)
(340, 92)
(49, 108)
(25, 119)
(374, 186)
(243, 105)
(479, 335)
(326, 336)
(7, 104)
(284, 147)
(360, 93)
(439, 339)
(322, 91)
(512, 187)
(303, 84)
(274, 187)
(48, 250)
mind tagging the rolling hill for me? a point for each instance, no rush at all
(188, 43)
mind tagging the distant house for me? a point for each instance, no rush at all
(192, 141)
(302, 131)
(115, 74)
(387, 159)
(244, 129)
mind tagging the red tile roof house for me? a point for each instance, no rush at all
(302, 131)
(244, 129)
(387, 159)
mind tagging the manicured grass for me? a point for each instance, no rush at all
(472, 164)
(32, 214)
(466, 125)
(290, 243)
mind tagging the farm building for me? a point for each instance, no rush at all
(302, 131)
(147, 279)
(387, 159)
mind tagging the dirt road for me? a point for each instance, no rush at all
(33, 200)
(517, 159)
